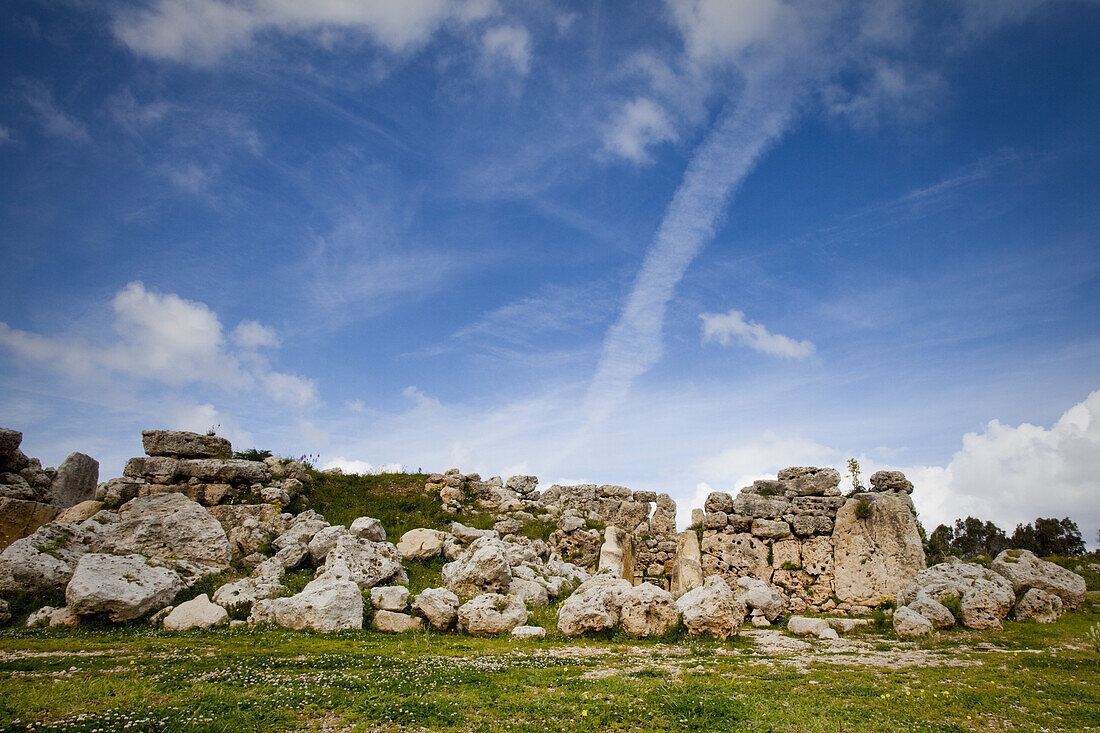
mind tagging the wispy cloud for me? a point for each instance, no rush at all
(510, 43)
(54, 121)
(203, 31)
(724, 327)
(633, 344)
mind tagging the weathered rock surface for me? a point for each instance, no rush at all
(877, 548)
(891, 481)
(19, 518)
(322, 543)
(804, 626)
(760, 597)
(532, 592)
(908, 624)
(421, 544)
(246, 591)
(439, 606)
(391, 622)
(368, 528)
(368, 563)
(808, 481)
(1025, 571)
(483, 568)
(76, 479)
(389, 597)
(616, 553)
(79, 512)
(182, 444)
(1043, 606)
(984, 597)
(647, 610)
(712, 609)
(45, 560)
(936, 613)
(122, 587)
(491, 613)
(331, 602)
(687, 568)
(528, 632)
(197, 613)
(169, 527)
(594, 606)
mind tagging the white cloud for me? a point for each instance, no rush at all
(1012, 474)
(55, 122)
(5, 135)
(363, 468)
(726, 29)
(188, 177)
(510, 43)
(253, 335)
(203, 31)
(164, 338)
(723, 327)
(638, 126)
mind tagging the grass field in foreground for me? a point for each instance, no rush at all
(1028, 677)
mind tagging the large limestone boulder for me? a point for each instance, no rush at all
(45, 561)
(369, 563)
(531, 592)
(223, 470)
(10, 441)
(322, 543)
(169, 527)
(877, 548)
(421, 544)
(20, 517)
(389, 597)
(197, 613)
(760, 598)
(368, 528)
(292, 545)
(808, 481)
(1025, 571)
(908, 624)
(736, 555)
(392, 622)
(76, 479)
(806, 626)
(647, 610)
(439, 606)
(331, 602)
(687, 567)
(594, 606)
(712, 609)
(891, 481)
(491, 613)
(182, 444)
(246, 591)
(984, 598)
(483, 568)
(1038, 604)
(79, 512)
(936, 613)
(124, 588)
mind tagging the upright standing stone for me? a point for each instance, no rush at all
(75, 481)
(687, 568)
(617, 554)
(877, 548)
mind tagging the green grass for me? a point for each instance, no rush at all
(398, 500)
(1026, 677)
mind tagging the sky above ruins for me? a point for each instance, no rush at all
(672, 245)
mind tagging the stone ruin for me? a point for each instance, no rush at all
(188, 510)
(796, 532)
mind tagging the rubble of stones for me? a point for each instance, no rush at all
(31, 495)
(581, 514)
(125, 549)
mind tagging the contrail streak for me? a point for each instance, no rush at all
(744, 132)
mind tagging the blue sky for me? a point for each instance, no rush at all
(674, 245)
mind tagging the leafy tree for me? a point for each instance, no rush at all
(974, 537)
(1049, 536)
(937, 546)
(853, 471)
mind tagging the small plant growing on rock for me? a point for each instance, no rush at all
(1093, 636)
(853, 473)
(863, 509)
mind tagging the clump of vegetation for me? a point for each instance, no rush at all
(954, 605)
(863, 509)
(766, 491)
(252, 454)
(538, 530)
(1093, 635)
(788, 565)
